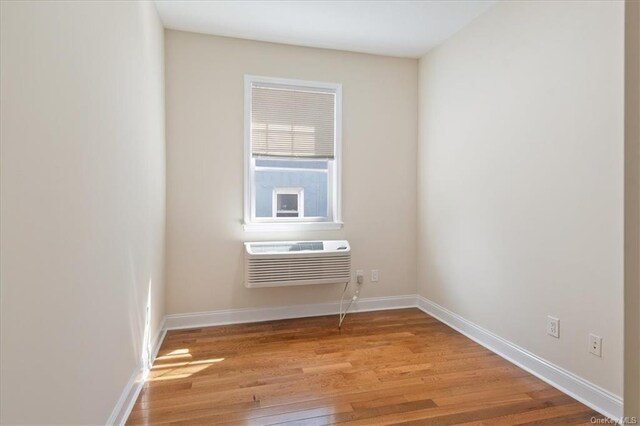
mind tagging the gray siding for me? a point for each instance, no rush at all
(314, 185)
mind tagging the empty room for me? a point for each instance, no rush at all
(320, 212)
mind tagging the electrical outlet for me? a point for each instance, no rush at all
(553, 326)
(360, 276)
(595, 345)
(375, 275)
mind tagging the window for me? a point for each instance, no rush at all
(292, 154)
(288, 202)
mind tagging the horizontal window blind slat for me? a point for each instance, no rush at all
(292, 121)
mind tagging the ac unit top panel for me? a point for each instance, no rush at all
(296, 248)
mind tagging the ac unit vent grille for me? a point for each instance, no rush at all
(332, 264)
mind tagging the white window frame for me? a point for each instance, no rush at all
(334, 199)
(288, 191)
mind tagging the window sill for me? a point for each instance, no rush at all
(283, 227)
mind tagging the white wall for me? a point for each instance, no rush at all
(632, 211)
(520, 179)
(83, 190)
(204, 86)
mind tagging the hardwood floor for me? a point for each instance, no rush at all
(385, 367)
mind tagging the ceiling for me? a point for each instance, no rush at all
(393, 28)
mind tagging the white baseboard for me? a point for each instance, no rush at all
(129, 395)
(582, 390)
(238, 316)
(127, 399)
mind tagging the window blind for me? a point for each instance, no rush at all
(289, 121)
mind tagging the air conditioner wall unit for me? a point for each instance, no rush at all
(289, 263)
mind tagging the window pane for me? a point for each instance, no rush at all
(288, 203)
(310, 175)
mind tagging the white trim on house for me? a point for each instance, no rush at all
(288, 191)
(582, 390)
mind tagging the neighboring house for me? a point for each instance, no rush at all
(291, 188)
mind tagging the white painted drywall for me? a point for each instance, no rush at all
(520, 179)
(83, 194)
(205, 116)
